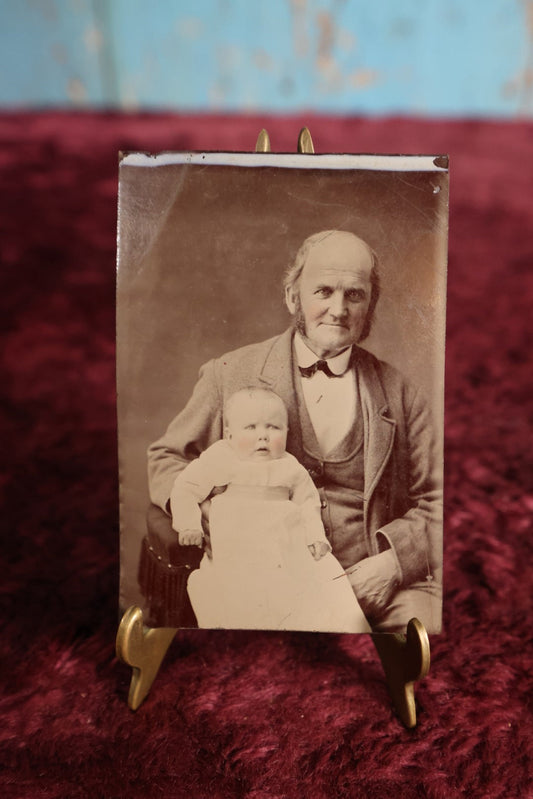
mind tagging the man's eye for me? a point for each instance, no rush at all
(323, 292)
(355, 295)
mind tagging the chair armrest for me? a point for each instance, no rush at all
(163, 541)
(164, 568)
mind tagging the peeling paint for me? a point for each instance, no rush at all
(347, 41)
(520, 86)
(59, 53)
(285, 55)
(45, 7)
(93, 39)
(76, 91)
(190, 27)
(130, 100)
(298, 10)
(331, 39)
(364, 78)
(330, 71)
(326, 36)
(263, 60)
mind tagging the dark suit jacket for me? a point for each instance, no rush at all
(402, 464)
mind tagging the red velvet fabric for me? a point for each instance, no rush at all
(252, 714)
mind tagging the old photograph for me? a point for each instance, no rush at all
(280, 373)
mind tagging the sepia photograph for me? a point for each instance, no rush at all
(280, 374)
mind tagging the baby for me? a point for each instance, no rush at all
(271, 564)
(255, 433)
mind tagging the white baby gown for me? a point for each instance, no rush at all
(262, 574)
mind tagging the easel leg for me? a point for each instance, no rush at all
(405, 659)
(142, 648)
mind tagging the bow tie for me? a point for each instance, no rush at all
(309, 371)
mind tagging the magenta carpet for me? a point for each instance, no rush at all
(252, 715)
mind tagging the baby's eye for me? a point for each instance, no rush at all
(273, 427)
(250, 427)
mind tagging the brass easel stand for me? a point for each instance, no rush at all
(405, 658)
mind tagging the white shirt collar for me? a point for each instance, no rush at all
(305, 357)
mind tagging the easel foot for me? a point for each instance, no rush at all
(405, 659)
(143, 649)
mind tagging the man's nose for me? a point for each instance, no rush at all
(337, 305)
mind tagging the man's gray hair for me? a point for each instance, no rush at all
(294, 270)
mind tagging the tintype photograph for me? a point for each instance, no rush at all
(280, 373)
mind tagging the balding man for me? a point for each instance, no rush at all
(362, 431)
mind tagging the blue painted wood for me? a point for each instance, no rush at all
(48, 54)
(343, 56)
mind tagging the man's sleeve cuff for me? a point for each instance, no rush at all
(385, 545)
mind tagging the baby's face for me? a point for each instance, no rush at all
(257, 428)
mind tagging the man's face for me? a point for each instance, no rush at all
(331, 298)
(257, 428)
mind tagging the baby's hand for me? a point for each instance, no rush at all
(191, 538)
(319, 549)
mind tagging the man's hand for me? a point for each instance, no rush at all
(319, 549)
(375, 580)
(189, 538)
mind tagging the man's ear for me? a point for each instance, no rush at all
(290, 299)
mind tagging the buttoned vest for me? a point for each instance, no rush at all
(339, 478)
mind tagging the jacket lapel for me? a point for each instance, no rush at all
(277, 373)
(379, 427)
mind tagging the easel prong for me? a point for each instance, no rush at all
(142, 648)
(262, 144)
(305, 142)
(405, 659)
